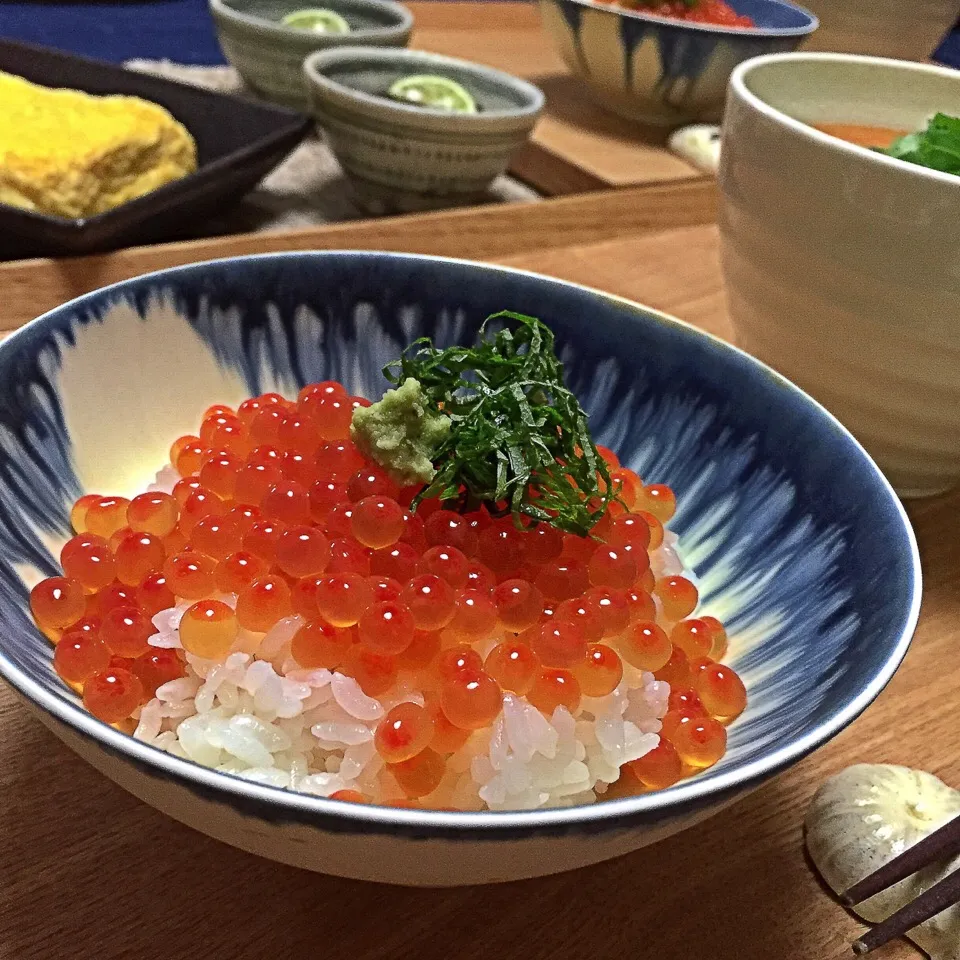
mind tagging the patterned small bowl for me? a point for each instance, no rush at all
(661, 71)
(797, 541)
(269, 55)
(402, 158)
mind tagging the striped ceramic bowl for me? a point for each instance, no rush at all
(840, 263)
(399, 157)
(797, 541)
(662, 71)
(269, 55)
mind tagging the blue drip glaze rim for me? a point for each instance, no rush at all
(813, 22)
(484, 825)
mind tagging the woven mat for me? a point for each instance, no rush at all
(308, 188)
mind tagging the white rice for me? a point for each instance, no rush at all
(260, 716)
(313, 730)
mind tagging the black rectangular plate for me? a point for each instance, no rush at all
(238, 142)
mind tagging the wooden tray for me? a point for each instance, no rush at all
(577, 146)
(31, 287)
(83, 862)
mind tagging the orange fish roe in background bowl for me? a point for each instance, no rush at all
(716, 12)
(479, 746)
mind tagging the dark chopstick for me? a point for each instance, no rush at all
(939, 845)
(942, 843)
(941, 895)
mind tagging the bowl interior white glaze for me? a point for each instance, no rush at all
(842, 89)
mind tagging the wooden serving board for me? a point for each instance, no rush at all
(577, 146)
(31, 287)
(88, 871)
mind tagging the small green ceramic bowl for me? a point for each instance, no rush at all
(269, 55)
(402, 158)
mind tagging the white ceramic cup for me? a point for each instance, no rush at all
(842, 265)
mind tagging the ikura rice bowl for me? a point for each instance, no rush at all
(278, 607)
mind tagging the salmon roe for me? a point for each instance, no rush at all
(519, 604)
(282, 543)
(470, 699)
(599, 672)
(156, 667)
(660, 768)
(263, 602)
(78, 512)
(78, 656)
(720, 690)
(693, 637)
(386, 626)
(555, 688)
(208, 629)
(125, 630)
(106, 515)
(113, 694)
(88, 559)
(137, 555)
(420, 775)
(513, 665)
(57, 602)
(155, 513)
(716, 12)
(474, 619)
(318, 644)
(375, 672)
(403, 733)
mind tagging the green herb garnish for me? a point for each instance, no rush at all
(937, 147)
(518, 441)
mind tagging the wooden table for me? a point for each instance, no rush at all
(31, 287)
(89, 872)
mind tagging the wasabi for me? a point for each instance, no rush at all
(518, 440)
(401, 432)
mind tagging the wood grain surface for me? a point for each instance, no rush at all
(88, 872)
(31, 287)
(577, 145)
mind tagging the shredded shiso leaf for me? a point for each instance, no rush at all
(518, 441)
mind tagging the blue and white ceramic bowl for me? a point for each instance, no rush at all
(796, 538)
(662, 71)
